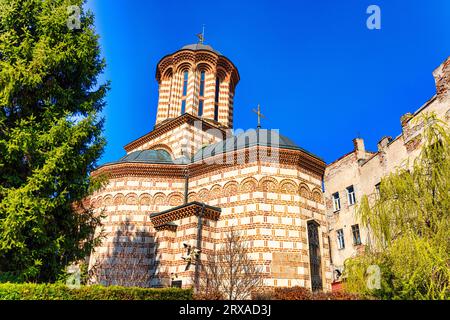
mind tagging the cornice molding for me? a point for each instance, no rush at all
(169, 125)
(296, 158)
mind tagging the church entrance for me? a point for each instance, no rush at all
(314, 255)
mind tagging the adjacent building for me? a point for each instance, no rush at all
(360, 171)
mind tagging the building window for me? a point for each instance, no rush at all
(216, 102)
(377, 189)
(340, 238)
(185, 83)
(202, 84)
(336, 202)
(356, 235)
(200, 108)
(183, 106)
(217, 90)
(351, 195)
(216, 113)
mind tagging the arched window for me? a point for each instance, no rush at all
(185, 82)
(185, 85)
(216, 102)
(201, 93)
(200, 108)
(202, 84)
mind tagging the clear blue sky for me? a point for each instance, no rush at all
(320, 75)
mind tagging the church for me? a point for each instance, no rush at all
(192, 180)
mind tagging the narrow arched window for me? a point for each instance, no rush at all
(202, 84)
(200, 108)
(216, 102)
(185, 82)
(185, 85)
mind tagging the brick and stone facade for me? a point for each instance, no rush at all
(363, 170)
(268, 191)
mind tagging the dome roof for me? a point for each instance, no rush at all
(250, 138)
(200, 46)
(147, 156)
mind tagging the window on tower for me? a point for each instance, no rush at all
(216, 102)
(185, 82)
(202, 84)
(183, 106)
(200, 108)
(216, 113)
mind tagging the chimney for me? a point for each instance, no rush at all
(442, 79)
(359, 148)
(382, 144)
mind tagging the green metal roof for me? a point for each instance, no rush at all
(250, 138)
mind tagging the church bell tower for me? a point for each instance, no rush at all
(197, 80)
(195, 104)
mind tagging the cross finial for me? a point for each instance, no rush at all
(201, 36)
(260, 115)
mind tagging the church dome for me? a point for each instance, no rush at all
(200, 46)
(147, 156)
(250, 138)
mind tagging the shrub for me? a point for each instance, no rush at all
(208, 296)
(301, 293)
(31, 291)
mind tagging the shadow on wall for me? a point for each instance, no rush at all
(131, 260)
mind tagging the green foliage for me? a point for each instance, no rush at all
(301, 293)
(32, 291)
(409, 225)
(50, 136)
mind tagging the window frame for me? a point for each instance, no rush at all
(340, 236)
(355, 229)
(337, 200)
(351, 195)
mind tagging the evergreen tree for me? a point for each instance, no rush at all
(50, 135)
(409, 225)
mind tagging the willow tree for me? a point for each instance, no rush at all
(408, 223)
(50, 134)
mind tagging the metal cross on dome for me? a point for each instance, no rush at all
(201, 36)
(260, 115)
